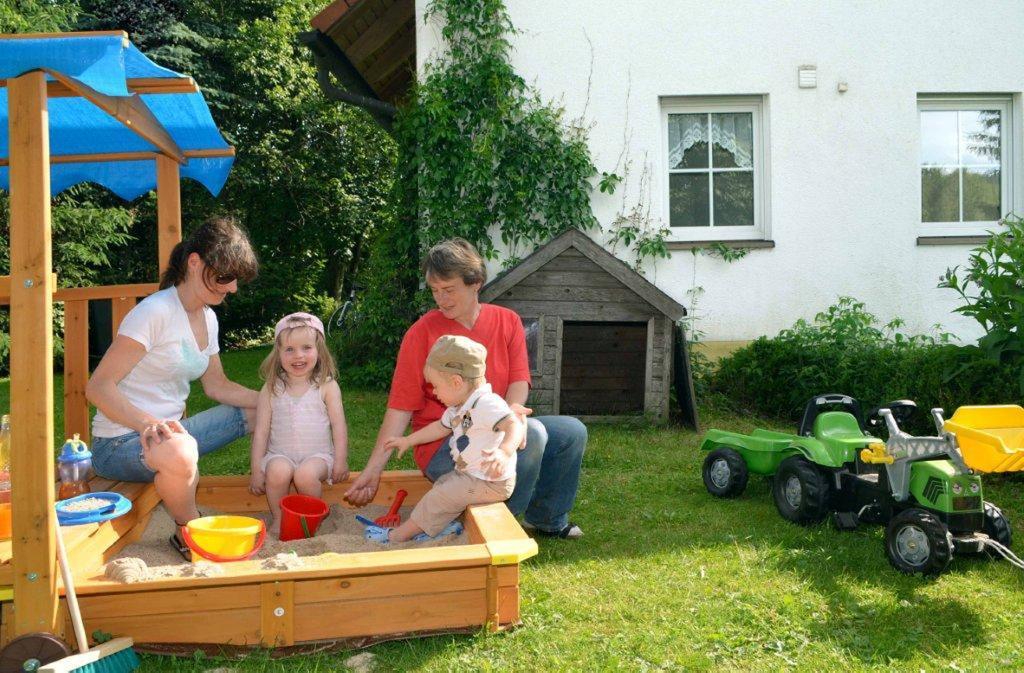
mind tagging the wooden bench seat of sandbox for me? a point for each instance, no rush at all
(351, 599)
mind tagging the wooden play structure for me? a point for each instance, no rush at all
(350, 598)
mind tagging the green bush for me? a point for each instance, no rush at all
(844, 349)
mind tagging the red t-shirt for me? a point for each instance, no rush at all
(498, 329)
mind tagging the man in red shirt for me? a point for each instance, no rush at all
(548, 466)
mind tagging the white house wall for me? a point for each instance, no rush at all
(844, 188)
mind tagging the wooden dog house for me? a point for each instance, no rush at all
(65, 95)
(600, 336)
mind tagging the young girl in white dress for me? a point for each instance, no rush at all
(300, 436)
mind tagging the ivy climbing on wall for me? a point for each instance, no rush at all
(480, 156)
(483, 149)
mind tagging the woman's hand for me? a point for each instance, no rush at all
(521, 413)
(363, 488)
(258, 482)
(400, 443)
(157, 432)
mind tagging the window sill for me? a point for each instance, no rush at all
(743, 244)
(952, 240)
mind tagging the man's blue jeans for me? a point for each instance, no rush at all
(547, 470)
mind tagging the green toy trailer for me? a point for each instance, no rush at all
(920, 488)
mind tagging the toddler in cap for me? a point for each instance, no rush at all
(485, 435)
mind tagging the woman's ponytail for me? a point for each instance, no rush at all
(177, 265)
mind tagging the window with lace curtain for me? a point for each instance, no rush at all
(715, 159)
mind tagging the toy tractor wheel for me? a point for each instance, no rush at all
(801, 491)
(725, 473)
(917, 542)
(997, 526)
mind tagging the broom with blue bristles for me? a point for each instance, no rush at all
(113, 656)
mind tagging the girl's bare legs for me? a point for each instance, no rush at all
(279, 478)
(309, 475)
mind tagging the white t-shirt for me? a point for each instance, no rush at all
(474, 432)
(159, 383)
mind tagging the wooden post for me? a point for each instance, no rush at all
(34, 550)
(119, 308)
(76, 368)
(168, 207)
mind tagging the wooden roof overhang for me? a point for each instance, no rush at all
(365, 53)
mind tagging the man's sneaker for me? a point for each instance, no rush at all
(378, 534)
(454, 528)
(570, 532)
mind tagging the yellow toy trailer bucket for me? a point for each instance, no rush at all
(223, 538)
(991, 438)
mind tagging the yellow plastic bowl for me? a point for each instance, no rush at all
(224, 537)
(991, 438)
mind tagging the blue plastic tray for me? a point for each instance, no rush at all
(117, 505)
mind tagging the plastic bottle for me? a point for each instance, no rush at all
(74, 463)
(5, 477)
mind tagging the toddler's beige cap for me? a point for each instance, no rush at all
(458, 355)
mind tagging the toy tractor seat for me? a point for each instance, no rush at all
(820, 404)
(840, 429)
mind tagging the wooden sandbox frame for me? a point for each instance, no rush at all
(341, 599)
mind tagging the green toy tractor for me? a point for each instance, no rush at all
(919, 488)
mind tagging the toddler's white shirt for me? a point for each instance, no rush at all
(473, 425)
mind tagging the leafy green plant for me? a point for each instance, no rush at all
(480, 156)
(991, 286)
(845, 348)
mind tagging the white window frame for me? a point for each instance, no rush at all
(1007, 153)
(756, 105)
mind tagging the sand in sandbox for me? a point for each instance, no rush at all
(339, 532)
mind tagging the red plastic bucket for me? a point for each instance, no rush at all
(301, 516)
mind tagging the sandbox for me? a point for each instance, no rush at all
(345, 599)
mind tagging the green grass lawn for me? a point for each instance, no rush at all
(669, 578)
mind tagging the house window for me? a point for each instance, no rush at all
(966, 163)
(714, 157)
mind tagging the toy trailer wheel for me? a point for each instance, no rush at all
(997, 526)
(917, 542)
(725, 473)
(801, 491)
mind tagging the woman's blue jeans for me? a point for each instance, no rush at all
(547, 471)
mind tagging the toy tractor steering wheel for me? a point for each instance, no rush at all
(902, 411)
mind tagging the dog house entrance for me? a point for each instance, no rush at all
(604, 367)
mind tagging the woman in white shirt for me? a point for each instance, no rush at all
(167, 341)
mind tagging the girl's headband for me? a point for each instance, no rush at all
(298, 320)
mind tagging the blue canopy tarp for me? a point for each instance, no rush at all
(105, 63)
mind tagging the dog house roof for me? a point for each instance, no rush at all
(599, 256)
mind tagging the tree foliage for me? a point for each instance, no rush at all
(311, 177)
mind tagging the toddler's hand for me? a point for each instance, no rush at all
(340, 471)
(400, 443)
(257, 482)
(494, 464)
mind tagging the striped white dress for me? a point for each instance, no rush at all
(299, 429)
